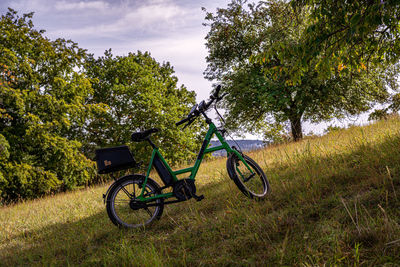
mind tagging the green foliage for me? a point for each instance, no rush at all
(384, 113)
(262, 90)
(140, 94)
(395, 103)
(332, 128)
(42, 104)
(22, 181)
(378, 114)
(350, 33)
(275, 133)
(4, 149)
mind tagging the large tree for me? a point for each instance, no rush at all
(43, 96)
(140, 93)
(262, 92)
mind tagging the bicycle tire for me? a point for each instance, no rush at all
(118, 202)
(256, 187)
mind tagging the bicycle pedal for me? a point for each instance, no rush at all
(198, 198)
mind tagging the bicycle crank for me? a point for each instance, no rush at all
(186, 189)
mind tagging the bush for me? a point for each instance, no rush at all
(22, 181)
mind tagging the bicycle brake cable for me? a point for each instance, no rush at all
(239, 148)
(215, 107)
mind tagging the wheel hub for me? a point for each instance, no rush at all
(135, 204)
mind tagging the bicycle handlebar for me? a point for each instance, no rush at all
(215, 97)
(182, 121)
(202, 108)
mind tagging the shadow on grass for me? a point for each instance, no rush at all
(95, 238)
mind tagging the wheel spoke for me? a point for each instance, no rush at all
(248, 178)
(126, 192)
(121, 201)
(148, 193)
(148, 211)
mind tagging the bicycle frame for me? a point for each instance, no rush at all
(193, 170)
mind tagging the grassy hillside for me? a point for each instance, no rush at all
(335, 201)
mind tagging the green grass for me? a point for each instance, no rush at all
(335, 202)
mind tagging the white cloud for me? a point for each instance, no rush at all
(148, 18)
(186, 53)
(156, 13)
(30, 6)
(69, 5)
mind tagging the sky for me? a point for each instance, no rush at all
(171, 30)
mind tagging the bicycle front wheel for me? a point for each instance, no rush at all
(251, 181)
(123, 208)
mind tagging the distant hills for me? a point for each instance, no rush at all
(244, 145)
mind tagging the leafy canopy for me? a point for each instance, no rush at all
(261, 93)
(42, 98)
(354, 34)
(141, 94)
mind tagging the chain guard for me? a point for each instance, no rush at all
(184, 189)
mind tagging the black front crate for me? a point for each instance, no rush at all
(114, 159)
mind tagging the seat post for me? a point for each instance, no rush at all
(151, 143)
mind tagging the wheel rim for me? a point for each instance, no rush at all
(121, 209)
(255, 184)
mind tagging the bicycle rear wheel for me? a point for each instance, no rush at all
(122, 207)
(254, 183)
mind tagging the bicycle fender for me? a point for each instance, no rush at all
(227, 163)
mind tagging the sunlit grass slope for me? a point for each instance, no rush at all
(335, 201)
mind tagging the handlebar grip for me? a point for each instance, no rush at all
(182, 121)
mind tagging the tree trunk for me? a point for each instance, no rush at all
(295, 124)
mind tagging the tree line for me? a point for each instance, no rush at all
(58, 103)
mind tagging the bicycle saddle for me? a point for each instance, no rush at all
(143, 135)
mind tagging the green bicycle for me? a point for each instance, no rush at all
(137, 200)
